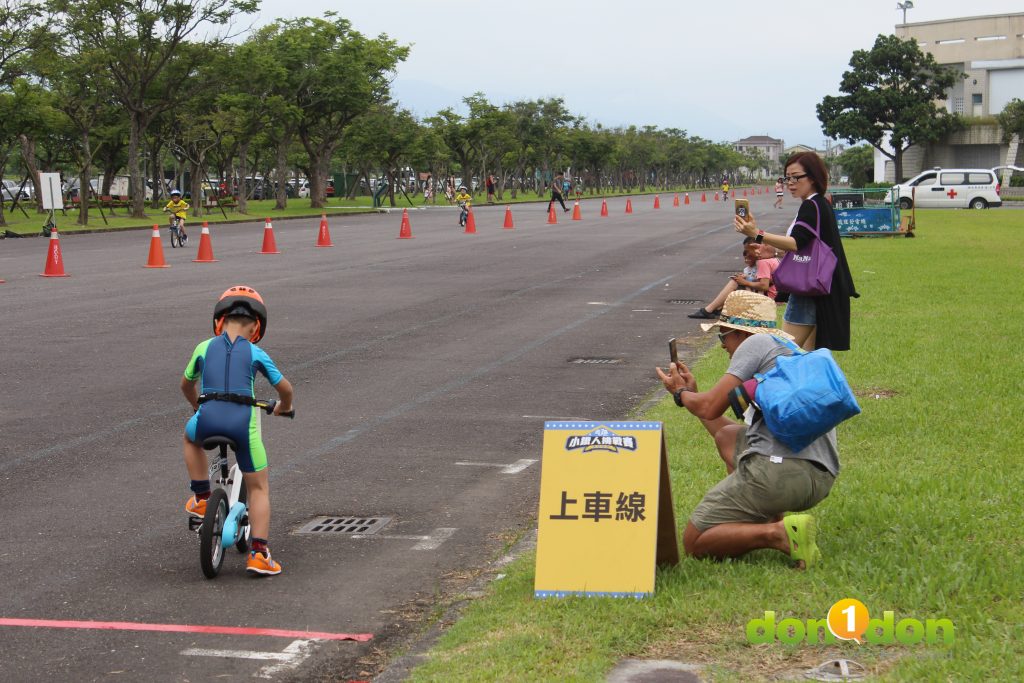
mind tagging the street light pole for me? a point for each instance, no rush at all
(905, 6)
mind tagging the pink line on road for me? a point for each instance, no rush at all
(184, 628)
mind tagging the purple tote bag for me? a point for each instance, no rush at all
(807, 272)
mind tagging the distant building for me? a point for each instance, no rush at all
(770, 147)
(989, 50)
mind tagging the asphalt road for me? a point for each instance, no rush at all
(409, 358)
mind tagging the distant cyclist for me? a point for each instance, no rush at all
(465, 202)
(179, 210)
(225, 367)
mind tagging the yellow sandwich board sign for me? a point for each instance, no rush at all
(606, 517)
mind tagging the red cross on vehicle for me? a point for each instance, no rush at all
(951, 193)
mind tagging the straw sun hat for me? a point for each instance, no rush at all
(749, 312)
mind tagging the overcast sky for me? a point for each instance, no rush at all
(721, 71)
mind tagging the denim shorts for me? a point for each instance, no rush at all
(800, 310)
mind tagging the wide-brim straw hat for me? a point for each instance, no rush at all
(749, 312)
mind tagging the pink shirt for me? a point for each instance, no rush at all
(765, 269)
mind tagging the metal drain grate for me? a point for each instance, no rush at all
(686, 302)
(596, 361)
(345, 525)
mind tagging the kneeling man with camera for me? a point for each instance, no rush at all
(766, 480)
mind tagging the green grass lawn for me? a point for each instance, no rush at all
(31, 224)
(924, 520)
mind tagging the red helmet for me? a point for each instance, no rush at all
(244, 301)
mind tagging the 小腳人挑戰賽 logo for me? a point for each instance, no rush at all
(848, 619)
(600, 439)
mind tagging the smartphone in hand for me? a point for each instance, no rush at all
(742, 207)
(672, 352)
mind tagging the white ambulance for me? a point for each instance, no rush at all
(950, 188)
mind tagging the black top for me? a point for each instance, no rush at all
(833, 309)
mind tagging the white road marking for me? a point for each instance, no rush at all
(436, 538)
(515, 468)
(432, 541)
(293, 655)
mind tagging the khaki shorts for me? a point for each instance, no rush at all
(760, 490)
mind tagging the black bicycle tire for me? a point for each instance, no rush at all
(242, 544)
(211, 553)
(173, 245)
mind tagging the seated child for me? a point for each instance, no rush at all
(748, 279)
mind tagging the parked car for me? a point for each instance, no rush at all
(950, 188)
(11, 188)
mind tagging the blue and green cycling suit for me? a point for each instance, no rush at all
(228, 367)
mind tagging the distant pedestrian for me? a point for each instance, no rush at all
(490, 188)
(556, 192)
(428, 188)
(779, 191)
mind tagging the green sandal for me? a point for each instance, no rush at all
(801, 532)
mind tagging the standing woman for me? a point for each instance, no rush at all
(816, 322)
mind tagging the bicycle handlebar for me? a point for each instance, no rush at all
(269, 406)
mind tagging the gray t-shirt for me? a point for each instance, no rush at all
(757, 354)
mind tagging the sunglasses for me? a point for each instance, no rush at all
(723, 335)
(794, 178)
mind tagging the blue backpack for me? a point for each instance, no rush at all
(804, 396)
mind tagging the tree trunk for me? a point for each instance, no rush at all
(243, 171)
(157, 175)
(281, 173)
(196, 188)
(318, 164)
(28, 155)
(83, 180)
(136, 131)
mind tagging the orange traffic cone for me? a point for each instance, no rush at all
(405, 232)
(576, 215)
(629, 205)
(552, 218)
(716, 196)
(205, 254)
(704, 196)
(323, 239)
(686, 199)
(509, 225)
(156, 251)
(675, 199)
(604, 208)
(734, 194)
(269, 243)
(657, 202)
(470, 222)
(744, 193)
(54, 263)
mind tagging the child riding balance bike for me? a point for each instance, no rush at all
(225, 366)
(179, 212)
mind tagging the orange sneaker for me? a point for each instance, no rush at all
(261, 564)
(196, 508)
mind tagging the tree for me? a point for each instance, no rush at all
(138, 40)
(334, 75)
(857, 162)
(20, 34)
(1011, 119)
(891, 89)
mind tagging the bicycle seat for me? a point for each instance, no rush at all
(211, 442)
